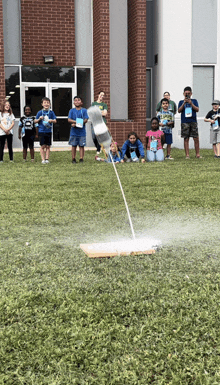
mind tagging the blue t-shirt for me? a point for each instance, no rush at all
(80, 114)
(191, 119)
(44, 126)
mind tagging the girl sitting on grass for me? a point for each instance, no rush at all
(154, 142)
(115, 154)
(133, 149)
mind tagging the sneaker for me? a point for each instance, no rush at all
(128, 160)
(43, 162)
(81, 160)
(47, 161)
(74, 161)
(97, 158)
(169, 157)
(98, 152)
(187, 157)
(32, 160)
(215, 156)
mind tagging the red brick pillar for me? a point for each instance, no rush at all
(101, 49)
(137, 62)
(2, 68)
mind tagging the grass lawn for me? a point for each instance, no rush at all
(151, 319)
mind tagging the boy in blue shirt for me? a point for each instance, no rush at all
(45, 119)
(78, 117)
(166, 122)
(189, 127)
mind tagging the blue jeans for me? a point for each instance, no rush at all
(155, 156)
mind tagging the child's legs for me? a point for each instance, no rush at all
(186, 146)
(9, 141)
(2, 146)
(74, 152)
(31, 146)
(215, 149)
(218, 149)
(42, 151)
(160, 155)
(81, 152)
(151, 156)
(196, 145)
(82, 143)
(24, 140)
(47, 152)
(168, 141)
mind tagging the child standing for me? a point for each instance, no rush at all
(115, 154)
(27, 132)
(7, 121)
(133, 149)
(45, 119)
(78, 117)
(154, 142)
(166, 122)
(213, 117)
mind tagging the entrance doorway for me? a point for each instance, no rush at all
(61, 97)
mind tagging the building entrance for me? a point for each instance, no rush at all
(61, 97)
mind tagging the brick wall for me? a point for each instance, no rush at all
(137, 61)
(136, 65)
(48, 29)
(2, 69)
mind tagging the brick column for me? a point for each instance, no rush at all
(137, 61)
(101, 50)
(2, 68)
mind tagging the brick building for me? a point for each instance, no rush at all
(134, 50)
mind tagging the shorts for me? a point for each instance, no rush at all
(77, 141)
(28, 140)
(214, 136)
(189, 130)
(45, 139)
(168, 138)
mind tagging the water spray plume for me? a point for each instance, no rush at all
(134, 246)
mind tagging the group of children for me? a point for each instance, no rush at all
(40, 127)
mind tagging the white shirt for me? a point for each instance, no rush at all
(6, 121)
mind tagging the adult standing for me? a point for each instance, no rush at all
(188, 109)
(104, 110)
(172, 104)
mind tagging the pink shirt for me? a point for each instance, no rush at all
(157, 135)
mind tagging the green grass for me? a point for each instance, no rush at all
(149, 319)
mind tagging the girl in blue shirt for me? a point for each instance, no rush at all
(133, 149)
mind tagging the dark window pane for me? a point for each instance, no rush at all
(48, 74)
(61, 130)
(33, 97)
(61, 101)
(84, 86)
(12, 85)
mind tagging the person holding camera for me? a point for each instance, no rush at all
(189, 126)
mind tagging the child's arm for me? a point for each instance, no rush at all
(38, 117)
(141, 150)
(10, 128)
(19, 130)
(72, 122)
(209, 120)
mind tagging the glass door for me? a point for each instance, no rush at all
(61, 96)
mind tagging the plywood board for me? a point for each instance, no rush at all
(112, 249)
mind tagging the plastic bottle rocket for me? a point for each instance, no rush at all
(100, 129)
